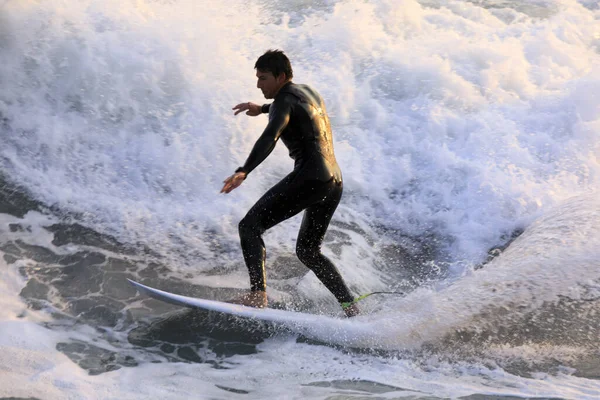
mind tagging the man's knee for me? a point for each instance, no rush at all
(249, 227)
(308, 255)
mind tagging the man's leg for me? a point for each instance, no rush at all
(312, 232)
(282, 201)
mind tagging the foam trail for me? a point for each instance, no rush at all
(555, 258)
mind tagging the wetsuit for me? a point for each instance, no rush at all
(297, 116)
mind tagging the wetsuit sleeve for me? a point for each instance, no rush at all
(279, 117)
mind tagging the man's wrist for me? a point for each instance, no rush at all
(241, 169)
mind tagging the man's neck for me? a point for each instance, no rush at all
(282, 86)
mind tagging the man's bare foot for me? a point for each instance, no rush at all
(352, 310)
(256, 299)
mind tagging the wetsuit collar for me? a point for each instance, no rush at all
(285, 86)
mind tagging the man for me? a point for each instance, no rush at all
(297, 116)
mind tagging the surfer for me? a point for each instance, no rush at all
(297, 115)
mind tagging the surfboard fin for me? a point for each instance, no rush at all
(347, 304)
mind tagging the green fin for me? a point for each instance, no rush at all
(349, 303)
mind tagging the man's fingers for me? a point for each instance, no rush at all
(250, 108)
(230, 183)
(226, 189)
(241, 107)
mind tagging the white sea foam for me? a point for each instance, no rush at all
(447, 119)
(557, 257)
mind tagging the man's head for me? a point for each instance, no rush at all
(273, 70)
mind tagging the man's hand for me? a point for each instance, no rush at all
(251, 109)
(233, 181)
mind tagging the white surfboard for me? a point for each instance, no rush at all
(267, 314)
(344, 331)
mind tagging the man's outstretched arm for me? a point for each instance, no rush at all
(263, 146)
(253, 110)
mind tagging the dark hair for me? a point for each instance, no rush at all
(275, 62)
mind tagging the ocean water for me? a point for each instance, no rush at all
(468, 133)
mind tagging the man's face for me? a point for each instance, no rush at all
(269, 84)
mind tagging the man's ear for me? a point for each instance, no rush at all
(282, 78)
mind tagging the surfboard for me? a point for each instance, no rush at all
(353, 332)
(266, 314)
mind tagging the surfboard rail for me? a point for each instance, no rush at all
(267, 314)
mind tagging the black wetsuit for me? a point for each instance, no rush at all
(297, 116)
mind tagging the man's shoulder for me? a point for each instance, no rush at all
(292, 87)
(299, 91)
(287, 93)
